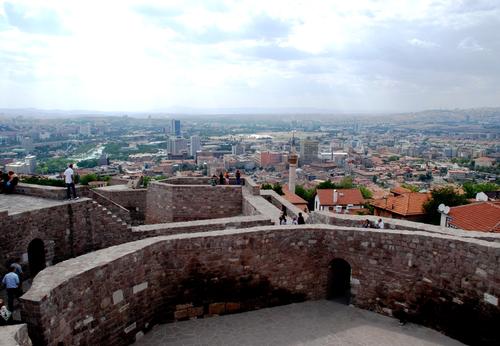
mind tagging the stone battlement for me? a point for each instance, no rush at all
(437, 278)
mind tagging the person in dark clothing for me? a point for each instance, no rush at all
(300, 220)
(221, 179)
(213, 181)
(238, 177)
(10, 183)
(283, 210)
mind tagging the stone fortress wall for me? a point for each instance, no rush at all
(449, 283)
(174, 202)
(214, 266)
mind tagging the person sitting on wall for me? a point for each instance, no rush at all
(380, 224)
(10, 183)
(367, 224)
(213, 181)
(5, 314)
(300, 220)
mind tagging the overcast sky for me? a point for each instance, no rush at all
(346, 55)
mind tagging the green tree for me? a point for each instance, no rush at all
(326, 185)
(445, 195)
(86, 179)
(306, 194)
(410, 187)
(91, 163)
(276, 188)
(266, 186)
(367, 194)
(346, 183)
(471, 189)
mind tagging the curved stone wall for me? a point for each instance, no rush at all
(106, 297)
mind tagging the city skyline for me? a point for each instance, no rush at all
(330, 56)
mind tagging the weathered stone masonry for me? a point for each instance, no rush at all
(172, 203)
(67, 231)
(108, 296)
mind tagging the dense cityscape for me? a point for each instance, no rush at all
(377, 154)
(224, 172)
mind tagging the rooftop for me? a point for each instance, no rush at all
(311, 323)
(411, 203)
(20, 203)
(345, 196)
(482, 216)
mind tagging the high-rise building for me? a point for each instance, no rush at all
(237, 149)
(292, 161)
(175, 127)
(177, 146)
(308, 151)
(195, 145)
(31, 163)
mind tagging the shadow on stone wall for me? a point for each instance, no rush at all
(465, 320)
(206, 293)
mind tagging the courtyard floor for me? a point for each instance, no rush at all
(310, 323)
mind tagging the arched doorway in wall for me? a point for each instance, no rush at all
(339, 281)
(36, 256)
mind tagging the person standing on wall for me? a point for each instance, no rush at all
(69, 178)
(238, 177)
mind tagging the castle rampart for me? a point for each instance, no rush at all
(438, 280)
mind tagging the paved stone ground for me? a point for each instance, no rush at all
(310, 323)
(20, 203)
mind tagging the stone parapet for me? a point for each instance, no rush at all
(159, 229)
(434, 279)
(280, 202)
(329, 218)
(52, 192)
(173, 203)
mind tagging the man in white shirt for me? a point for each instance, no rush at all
(11, 283)
(70, 182)
(380, 224)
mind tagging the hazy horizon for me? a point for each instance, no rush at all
(366, 57)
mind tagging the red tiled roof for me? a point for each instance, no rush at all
(399, 190)
(292, 197)
(411, 203)
(482, 216)
(345, 197)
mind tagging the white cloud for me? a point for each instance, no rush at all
(470, 44)
(152, 54)
(423, 44)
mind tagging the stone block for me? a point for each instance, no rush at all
(216, 308)
(232, 307)
(195, 311)
(181, 314)
(141, 287)
(117, 297)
